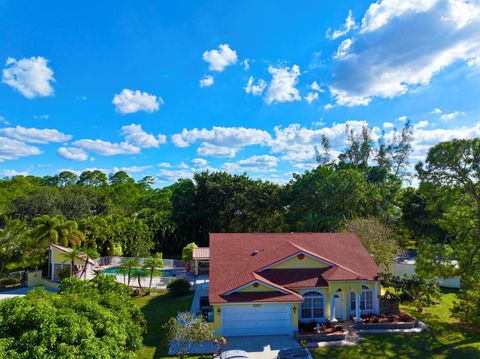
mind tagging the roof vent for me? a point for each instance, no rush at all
(254, 253)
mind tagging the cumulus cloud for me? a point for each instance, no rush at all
(35, 135)
(311, 96)
(263, 163)
(436, 111)
(132, 169)
(207, 81)
(12, 173)
(219, 59)
(199, 162)
(388, 125)
(401, 45)
(282, 86)
(31, 77)
(221, 141)
(11, 149)
(451, 116)
(164, 164)
(72, 153)
(421, 124)
(106, 148)
(168, 176)
(315, 87)
(349, 25)
(129, 101)
(255, 89)
(135, 135)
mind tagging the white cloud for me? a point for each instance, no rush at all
(282, 86)
(315, 87)
(199, 162)
(221, 141)
(210, 150)
(255, 89)
(35, 135)
(4, 121)
(421, 124)
(219, 59)
(31, 77)
(328, 106)
(207, 81)
(311, 96)
(11, 149)
(264, 163)
(164, 164)
(12, 173)
(132, 169)
(183, 165)
(402, 118)
(451, 116)
(106, 148)
(135, 135)
(129, 101)
(300, 156)
(168, 176)
(388, 125)
(41, 117)
(345, 29)
(246, 64)
(72, 153)
(436, 111)
(401, 45)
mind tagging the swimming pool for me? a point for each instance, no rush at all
(164, 272)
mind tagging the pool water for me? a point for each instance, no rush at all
(164, 272)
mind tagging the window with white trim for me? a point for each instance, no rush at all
(313, 306)
(366, 299)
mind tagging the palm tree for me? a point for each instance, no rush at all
(72, 255)
(129, 263)
(140, 273)
(124, 271)
(151, 265)
(58, 230)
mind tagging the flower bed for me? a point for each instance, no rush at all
(312, 332)
(397, 321)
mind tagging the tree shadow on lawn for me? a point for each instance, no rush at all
(442, 340)
(158, 310)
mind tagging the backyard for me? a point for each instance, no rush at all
(444, 339)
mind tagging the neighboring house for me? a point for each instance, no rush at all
(266, 283)
(201, 260)
(58, 260)
(405, 264)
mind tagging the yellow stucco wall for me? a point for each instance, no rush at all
(295, 313)
(60, 257)
(34, 278)
(260, 288)
(295, 262)
(217, 318)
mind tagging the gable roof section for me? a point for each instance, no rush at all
(66, 250)
(237, 259)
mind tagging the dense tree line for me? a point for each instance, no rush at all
(366, 189)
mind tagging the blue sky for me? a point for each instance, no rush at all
(167, 89)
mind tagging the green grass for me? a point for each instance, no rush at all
(444, 339)
(158, 308)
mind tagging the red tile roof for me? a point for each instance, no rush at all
(238, 258)
(242, 297)
(201, 253)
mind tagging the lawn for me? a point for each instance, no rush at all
(444, 339)
(158, 308)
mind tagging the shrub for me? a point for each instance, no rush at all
(179, 287)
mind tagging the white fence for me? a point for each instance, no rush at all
(117, 261)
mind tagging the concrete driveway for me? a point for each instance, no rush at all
(258, 347)
(262, 347)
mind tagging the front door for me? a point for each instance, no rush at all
(339, 305)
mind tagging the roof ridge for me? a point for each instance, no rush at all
(275, 285)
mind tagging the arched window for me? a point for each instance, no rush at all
(313, 306)
(366, 299)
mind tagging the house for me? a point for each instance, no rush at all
(405, 265)
(268, 283)
(58, 261)
(201, 260)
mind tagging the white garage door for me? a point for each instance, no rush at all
(260, 319)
